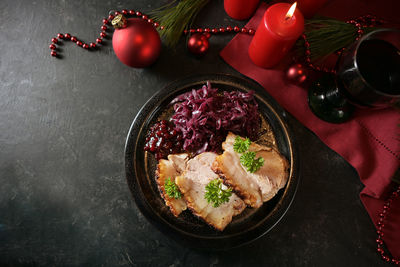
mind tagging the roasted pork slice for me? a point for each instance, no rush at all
(170, 169)
(192, 184)
(254, 188)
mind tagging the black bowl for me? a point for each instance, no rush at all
(187, 228)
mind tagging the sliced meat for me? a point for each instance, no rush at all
(192, 184)
(253, 188)
(171, 168)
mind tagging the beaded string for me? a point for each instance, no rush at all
(381, 226)
(107, 21)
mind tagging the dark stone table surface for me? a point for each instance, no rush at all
(64, 200)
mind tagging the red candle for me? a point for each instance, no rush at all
(279, 29)
(240, 9)
(309, 7)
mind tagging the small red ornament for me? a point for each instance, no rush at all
(137, 45)
(297, 73)
(198, 44)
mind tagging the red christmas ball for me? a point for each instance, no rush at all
(198, 44)
(297, 73)
(137, 45)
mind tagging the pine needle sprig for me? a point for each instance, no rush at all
(326, 36)
(176, 18)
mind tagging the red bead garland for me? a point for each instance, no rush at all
(381, 226)
(106, 21)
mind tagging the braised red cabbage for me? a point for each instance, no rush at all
(205, 116)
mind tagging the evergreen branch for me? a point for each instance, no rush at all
(326, 36)
(177, 18)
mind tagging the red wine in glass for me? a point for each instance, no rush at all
(368, 75)
(379, 64)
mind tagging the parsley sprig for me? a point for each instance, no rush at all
(215, 194)
(172, 189)
(250, 161)
(241, 145)
(247, 159)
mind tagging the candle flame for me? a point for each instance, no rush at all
(289, 14)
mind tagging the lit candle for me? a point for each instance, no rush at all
(240, 9)
(279, 29)
(309, 7)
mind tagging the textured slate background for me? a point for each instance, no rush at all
(63, 194)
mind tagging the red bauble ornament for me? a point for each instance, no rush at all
(297, 73)
(198, 43)
(137, 45)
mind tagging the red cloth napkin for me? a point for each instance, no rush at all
(369, 142)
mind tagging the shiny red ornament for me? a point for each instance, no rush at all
(297, 73)
(53, 53)
(67, 36)
(99, 40)
(60, 35)
(92, 45)
(52, 46)
(198, 44)
(54, 40)
(137, 45)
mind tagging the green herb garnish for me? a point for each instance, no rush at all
(172, 189)
(249, 160)
(215, 194)
(241, 145)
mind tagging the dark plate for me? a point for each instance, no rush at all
(140, 166)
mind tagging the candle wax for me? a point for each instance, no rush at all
(275, 35)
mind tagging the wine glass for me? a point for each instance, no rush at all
(368, 76)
